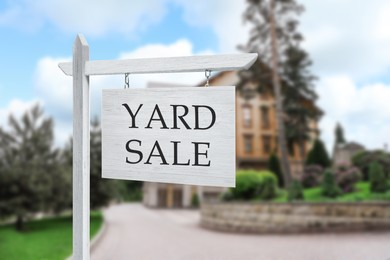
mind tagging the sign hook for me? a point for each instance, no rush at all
(127, 85)
(207, 74)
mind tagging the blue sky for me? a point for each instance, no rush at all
(347, 40)
(22, 48)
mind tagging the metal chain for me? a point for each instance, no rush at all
(207, 74)
(127, 85)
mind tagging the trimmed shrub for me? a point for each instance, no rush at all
(195, 200)
(251, 184)
(378, 182)
(268, 187)
(274, 166)
(247, 185)
(362, 160)
(329, 186)
(346, 177)
(318, 155)
(295, 191)
(312, 176)
(227, 196)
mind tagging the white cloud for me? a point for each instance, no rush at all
(342, 36)
(20, 16)
(98, 18)
(56, 89)
(348, 37)
(224, 17)
(381, 32)
(363, 111)
(89, 16)
(52, 84)
(17, 108)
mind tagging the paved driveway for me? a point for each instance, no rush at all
(135, 232)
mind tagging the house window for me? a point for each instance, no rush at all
(265, 121)
(247, 114)
(266, 144)
(248, 144)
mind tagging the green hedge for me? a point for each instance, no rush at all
(252, 184)
(362, 160)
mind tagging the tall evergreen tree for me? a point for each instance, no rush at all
(299, 97)
(29, 166)
(102, 190)
(282, 65)
(63, 186)
(318, 155)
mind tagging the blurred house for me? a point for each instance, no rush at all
(256, 140)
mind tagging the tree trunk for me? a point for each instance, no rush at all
(301, 145)
(302, 151)
(278, 98)
(19, 225)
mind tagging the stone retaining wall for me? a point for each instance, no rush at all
(295, 217)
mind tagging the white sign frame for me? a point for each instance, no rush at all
(81, 68)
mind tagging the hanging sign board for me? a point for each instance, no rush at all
(171, 135)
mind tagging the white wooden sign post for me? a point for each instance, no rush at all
(202, 120)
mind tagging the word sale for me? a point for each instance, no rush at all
(156, 120)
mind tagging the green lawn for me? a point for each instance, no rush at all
(361, 193)
(43, 239)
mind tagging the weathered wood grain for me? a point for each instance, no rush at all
(166, 65)
(80, 151)
(116, 132)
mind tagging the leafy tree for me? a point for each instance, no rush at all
(274, 166)
(30, 171)
(339, 134)
(318, 155)
(363, 159)
(329, 186)
(283, 65)
(378, 182)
